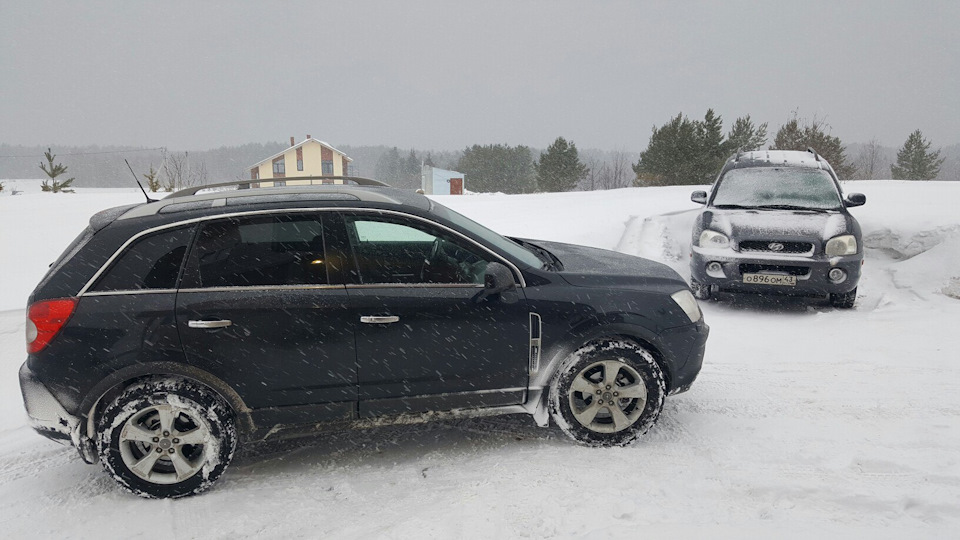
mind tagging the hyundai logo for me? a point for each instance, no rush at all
(775, 246)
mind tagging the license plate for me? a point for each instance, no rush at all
(770, 279)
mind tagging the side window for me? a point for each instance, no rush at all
(152, 262)
(394, 250)
(259, 251)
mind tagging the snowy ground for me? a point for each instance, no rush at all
(805, 420)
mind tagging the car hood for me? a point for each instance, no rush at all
(776, 224)
(591, 267)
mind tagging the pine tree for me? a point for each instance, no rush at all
(559, 168)
(712, 149)
(683, 152)
(411, 172)
(54, 171)
(797, 135)
(498, 167)
(153, 182)
(915, 161)
(745, 136)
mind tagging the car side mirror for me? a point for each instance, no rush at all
(855, 199)
(699, 197)
(498, 279)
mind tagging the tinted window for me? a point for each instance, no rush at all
(776, 186)
(152, 262)
(269, 250)
(394, 250)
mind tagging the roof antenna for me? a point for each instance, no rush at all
(739, 152)
(814, 152)
(135, 179)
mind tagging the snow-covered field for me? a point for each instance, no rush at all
(805, 421)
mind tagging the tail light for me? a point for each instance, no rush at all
(44, 321)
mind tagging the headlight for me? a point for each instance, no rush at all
(688, 304)
(713, 239)
(841, 245)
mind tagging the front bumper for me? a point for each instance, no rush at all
(810, 271)
(687, 346)
(46, 414)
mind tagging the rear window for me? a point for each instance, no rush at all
(151, 262)
(259, 251)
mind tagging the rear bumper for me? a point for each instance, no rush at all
(47, 415)
(813, 281)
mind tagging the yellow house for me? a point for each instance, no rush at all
(309, 158)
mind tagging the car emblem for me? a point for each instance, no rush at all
(775, 246)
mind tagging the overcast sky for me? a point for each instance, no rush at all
(444, 75)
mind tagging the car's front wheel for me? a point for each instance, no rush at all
(166, 438)
(700, 291)
(844, 300)
(607, 393)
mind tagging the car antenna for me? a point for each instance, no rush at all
(137, 180)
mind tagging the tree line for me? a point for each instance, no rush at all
(680, 152)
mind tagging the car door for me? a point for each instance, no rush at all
(257, 307)
(426, 340)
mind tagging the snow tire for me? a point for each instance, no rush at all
(700, 291)
(166, 438)
(844, 300)
(635, 393)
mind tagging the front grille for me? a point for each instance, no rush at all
(770, 246)
(798, 271)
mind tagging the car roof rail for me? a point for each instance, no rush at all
(814, 152)
(739, 153)
(357, 180)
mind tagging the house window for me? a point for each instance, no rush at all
(327, 167)
(255, 173)
(299, 159)
(278, 166)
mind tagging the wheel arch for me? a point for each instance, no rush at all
(637, 334)
(115, 383)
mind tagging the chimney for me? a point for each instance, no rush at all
(309, 137)
(291, 142)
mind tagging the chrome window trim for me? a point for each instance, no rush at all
(129, 291)
(83, 291)
(414, 286)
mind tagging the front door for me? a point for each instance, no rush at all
(425, 341)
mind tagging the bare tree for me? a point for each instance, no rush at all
(869, 161)
(179, 173)
(614, 173)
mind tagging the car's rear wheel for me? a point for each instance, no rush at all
(166, 438)
(607, 393)
(844, 300)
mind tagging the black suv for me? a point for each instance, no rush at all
(776, 222)
(171, 330)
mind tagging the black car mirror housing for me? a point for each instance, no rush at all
(855, 199)
(699, 197)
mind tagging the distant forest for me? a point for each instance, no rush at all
(103, 166)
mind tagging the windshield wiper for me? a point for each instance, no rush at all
(550, 261)
(734, 206)
(792, 207)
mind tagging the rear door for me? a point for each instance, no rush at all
(257, 308)
(425, 341)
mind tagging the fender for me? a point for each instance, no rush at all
(625, 325)
(121, 378)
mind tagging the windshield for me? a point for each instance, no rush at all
(777, 187)
(508, 246)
